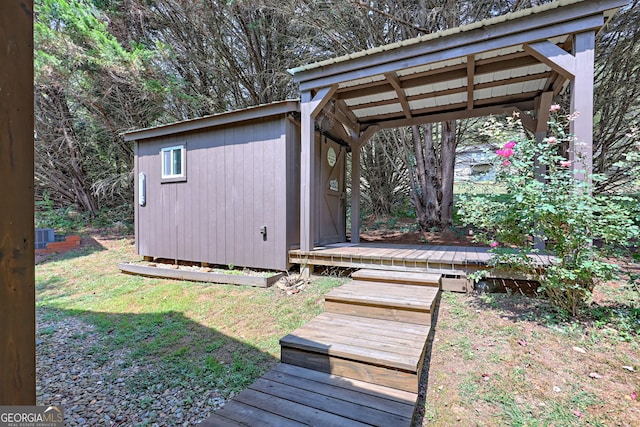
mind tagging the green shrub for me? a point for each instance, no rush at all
(580, 229)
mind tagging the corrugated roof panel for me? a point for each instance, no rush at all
(418, 90)
(482, 93)
(497, 91)
(512, 73)
(438, 101)
(456, 83)
(499, 52)
(499, 75)
(384, 96)
(537, 69)
(422, 103)
(439, 34)
(380, 109)
(533, 85)
(365, 80)
(436, 87)
(432, 66)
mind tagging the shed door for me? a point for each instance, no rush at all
(332, 219)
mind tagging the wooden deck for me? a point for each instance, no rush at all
(357, 364)
(449, 260)
(293, 396)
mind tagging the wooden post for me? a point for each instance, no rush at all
(581, 148)
(357, 144)
(307, 172)
(17, 278)
(310, 106)
(543, 104)
(355, 193)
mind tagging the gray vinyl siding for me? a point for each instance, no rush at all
(240, 177)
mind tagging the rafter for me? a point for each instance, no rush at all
(392, 78)
(438, 115)
(471, 65)
(461, 89)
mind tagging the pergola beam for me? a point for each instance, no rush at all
(555, 57)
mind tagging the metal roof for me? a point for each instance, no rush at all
(478, 69)
(220, 119)
(444, 33)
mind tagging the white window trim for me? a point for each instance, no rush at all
(183, 162)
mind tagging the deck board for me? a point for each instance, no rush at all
(380, 325)
(457, 260)
(374, 353)
(330, 400)
(345, 331)
(381, 375)
(296, 384)
(297, 412)
(418, 279)
(396, 291)
(400, 396)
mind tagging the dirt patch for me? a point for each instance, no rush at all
(404, 231)
(511, 360)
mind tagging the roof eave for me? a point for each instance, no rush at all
(221, 119)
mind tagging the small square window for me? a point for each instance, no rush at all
(173, 162)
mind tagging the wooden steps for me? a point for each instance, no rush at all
(356, 364)
(390, 301)
(371, 330)
(293, 396)
(384, 352)
(403, 277)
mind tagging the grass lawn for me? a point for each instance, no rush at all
(496, 359)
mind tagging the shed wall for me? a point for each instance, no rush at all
(240, 178)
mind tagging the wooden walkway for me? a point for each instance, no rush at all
(450, 260)
(357, 364)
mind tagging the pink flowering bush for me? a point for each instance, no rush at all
(580, 230)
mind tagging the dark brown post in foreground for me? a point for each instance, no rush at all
(17, 277)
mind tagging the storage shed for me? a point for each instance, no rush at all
(225, 189)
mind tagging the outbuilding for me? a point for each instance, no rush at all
(225, 189)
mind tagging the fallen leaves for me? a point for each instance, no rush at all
(579, 349)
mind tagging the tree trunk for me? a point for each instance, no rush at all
(448, 162)
(431, 190)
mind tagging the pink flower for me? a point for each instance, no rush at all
(493, 244)
(565, 163)
(505, 152)
(554, 108)
(510, 144)
(552, 140)
(506, 163)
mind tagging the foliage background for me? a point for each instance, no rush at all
(103, 67)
